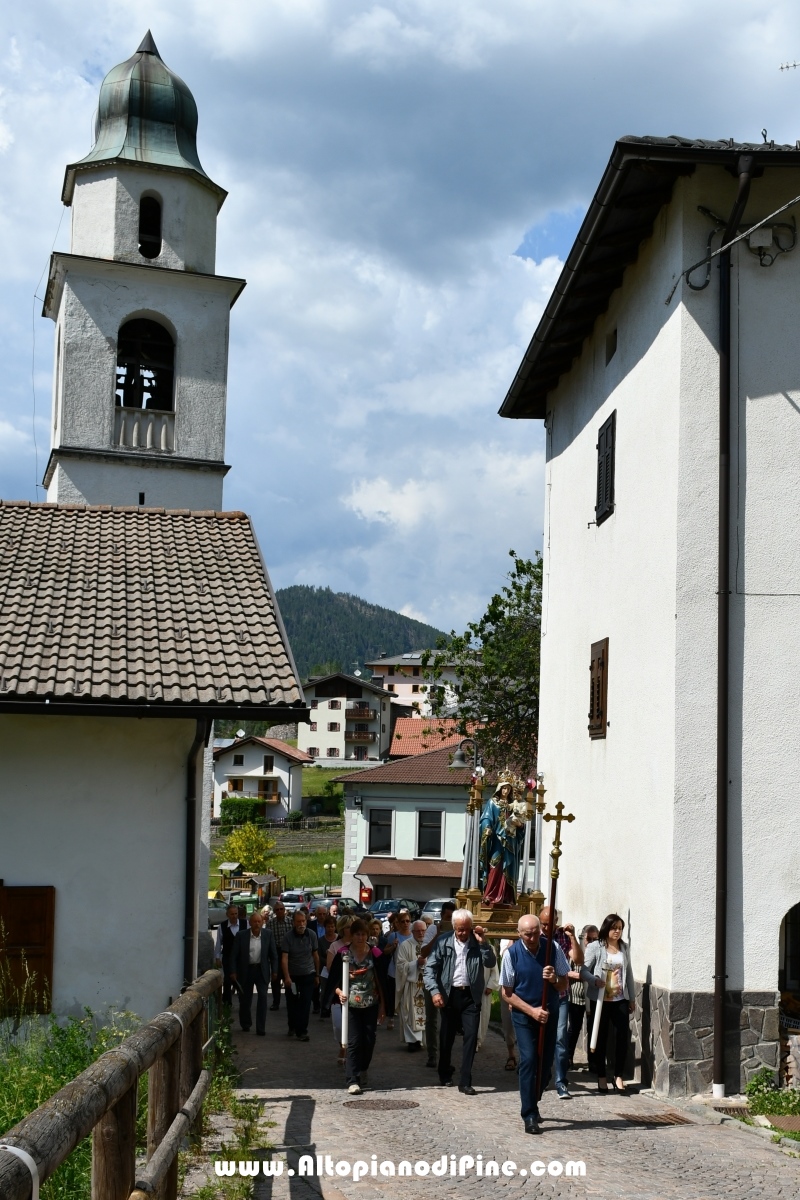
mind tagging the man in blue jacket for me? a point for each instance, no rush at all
(454, 976)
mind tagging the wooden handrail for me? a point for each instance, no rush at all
(102, 1099)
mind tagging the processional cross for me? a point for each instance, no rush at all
(559, 816)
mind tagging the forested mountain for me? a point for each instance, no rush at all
(334, 631)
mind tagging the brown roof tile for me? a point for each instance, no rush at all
(432, 767)
(415, 735)
(138, 606)
(433, 868)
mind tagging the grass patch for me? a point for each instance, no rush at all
(315, 778)
(306, 869)
(40, 1058)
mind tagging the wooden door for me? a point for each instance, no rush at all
(27, 923)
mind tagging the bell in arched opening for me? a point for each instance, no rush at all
(145, 366)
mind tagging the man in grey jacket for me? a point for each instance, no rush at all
(454, 976)
(254, 963)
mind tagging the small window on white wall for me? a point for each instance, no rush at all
(429, 834)
(149, 227)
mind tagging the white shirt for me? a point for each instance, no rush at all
(255, 948)
(218, 944)
(460, 976)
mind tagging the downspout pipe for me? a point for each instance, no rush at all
(745, 173)
(190, 892)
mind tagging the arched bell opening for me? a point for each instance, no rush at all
(149, 226)
(145, 366)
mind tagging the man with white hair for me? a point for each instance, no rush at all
(522, 977)
(410, 987)
(454, 975)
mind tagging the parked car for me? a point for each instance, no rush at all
(382, 908)
(434, 907)
(347, 907)
(216, 912)
(298, 898)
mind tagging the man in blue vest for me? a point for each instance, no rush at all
(522, 977)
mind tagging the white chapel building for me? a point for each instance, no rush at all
(670, 705)
(124, 625)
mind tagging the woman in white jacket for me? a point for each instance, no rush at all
(610, 957)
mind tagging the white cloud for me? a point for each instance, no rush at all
(384, 158)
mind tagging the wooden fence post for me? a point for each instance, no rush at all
(114, 1149)
(163, 1105)
(192, 1057)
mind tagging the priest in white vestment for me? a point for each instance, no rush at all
(410, 988)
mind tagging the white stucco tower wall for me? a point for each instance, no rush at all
(110, 446)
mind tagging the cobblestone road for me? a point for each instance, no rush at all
(303, 1089)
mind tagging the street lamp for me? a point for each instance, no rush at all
(329, 867)
(469, 871)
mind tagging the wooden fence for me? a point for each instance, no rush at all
(103, 1101)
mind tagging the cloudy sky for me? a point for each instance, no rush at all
(405, 179)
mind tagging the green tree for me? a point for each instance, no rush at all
(249, 846)
(497, 663)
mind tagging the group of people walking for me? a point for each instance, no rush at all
(439, 980)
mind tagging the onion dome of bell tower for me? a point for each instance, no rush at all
(146, 116)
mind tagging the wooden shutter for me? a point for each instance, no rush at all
(605, 469)
(27, 917)
(598, 689)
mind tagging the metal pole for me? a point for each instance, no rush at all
(346, 1001)
(526, 851)
(537, 850)
(476, 843)
(467, 846)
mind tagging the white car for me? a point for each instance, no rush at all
(297, 899)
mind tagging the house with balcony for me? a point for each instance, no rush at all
(265, 768)
(405, 823)
(409, 682)
(350, 720)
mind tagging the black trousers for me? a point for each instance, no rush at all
(431, 1027)
(276, 991)
(362, 1024)
(615, 1012)
(460, 1011)
(577, 1013)
(298, 1005)
(253, 979)
(389, 995)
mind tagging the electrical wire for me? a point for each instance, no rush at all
(36, 297)
(739, 237)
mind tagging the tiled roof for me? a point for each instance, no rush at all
(415, 735)
(275, 744)
(137, 606)
(430, 868)
(430, 768)
(357, 681)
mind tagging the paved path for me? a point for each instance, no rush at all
(303, 1089)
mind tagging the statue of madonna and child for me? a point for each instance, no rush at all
(502, 838)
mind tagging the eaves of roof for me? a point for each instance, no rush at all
(358, 682)
(636, 184)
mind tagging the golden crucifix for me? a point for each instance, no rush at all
(559, 816)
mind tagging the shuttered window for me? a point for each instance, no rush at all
(27, 916)
(598, 689)
(605, 469)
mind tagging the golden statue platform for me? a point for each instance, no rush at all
(499, 921)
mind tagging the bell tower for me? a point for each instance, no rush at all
(142, 319)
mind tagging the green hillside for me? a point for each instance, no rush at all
(334, 631)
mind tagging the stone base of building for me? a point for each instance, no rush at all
(673, 1038)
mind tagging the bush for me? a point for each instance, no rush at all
(294, 817)
(251, 847)
(765, 1098)
(241, 810)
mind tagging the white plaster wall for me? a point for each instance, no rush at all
(87, 481)
(97, 299)
(617, 581)
(105, 217)
(96, 807)
(645, 799)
